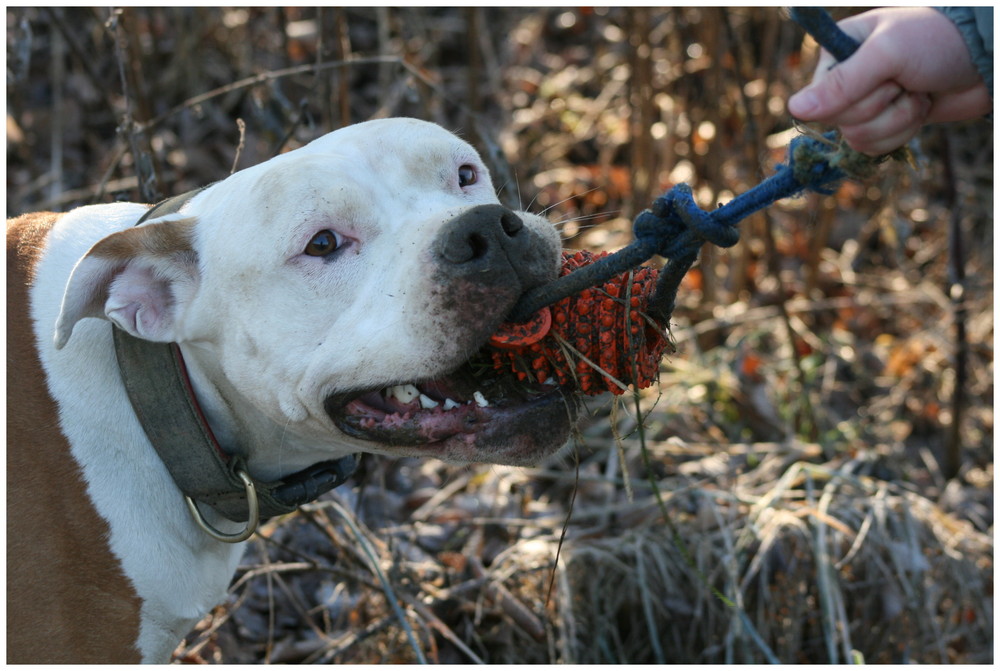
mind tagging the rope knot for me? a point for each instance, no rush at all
(675, 226)
(812, 164)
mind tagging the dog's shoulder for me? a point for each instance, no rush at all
(25, 244)
(51, 565)
(25, 241)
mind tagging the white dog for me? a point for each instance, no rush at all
(323, 303)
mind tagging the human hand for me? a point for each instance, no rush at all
(912, 68)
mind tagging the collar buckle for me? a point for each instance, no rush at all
(253, 514)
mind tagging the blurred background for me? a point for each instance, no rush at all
(813, 478)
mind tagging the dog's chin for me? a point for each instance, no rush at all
(469, 415)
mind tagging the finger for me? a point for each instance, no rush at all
(889, 143)
(838, 86)
(868, 108)
(893, 128)
(803, 104)
(960, 105)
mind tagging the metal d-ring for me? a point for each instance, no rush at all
(253, 514)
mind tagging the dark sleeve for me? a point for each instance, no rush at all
(976, 26)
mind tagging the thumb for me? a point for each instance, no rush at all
(806, 105)
(838, 86)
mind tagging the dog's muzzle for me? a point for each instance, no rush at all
(490, 246)
(484, 260)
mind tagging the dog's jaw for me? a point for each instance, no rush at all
(471, 415)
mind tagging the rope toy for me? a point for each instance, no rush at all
(601, 339)
(610, 346)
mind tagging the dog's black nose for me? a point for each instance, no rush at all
(489, 245)
(477, 233)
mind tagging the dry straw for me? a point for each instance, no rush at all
(816, 563)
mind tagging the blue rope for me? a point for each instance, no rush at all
(676, 228)
(818, 23)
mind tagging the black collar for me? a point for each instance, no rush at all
(160, 391)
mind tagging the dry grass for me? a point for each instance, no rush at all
(770, 554)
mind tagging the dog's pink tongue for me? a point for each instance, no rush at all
(513, 335)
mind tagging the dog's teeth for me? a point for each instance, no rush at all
(426, 402)
(480, 399)
(404, 393)
(450, 404)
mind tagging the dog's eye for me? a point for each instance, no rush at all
(323, 243)
(467, 175)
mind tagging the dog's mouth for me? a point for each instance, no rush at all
(471, 414)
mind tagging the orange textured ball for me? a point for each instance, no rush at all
(599, 340)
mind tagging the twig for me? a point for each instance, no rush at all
(803, 407)
(384, 34)
(443, 629)
(440, 496)
(351, 640)
(88, 194)
(390, 593)
(241, 125)
(269, 643)
(300, 114)
(57, 74)
(643, 159)
(620, 437)
(510, 604)
(755, 148)
(270, 76)
(217, 621)
(129, 127)
(956, 278)
(647, 605)
(565, 525)
(84, 58)
(567, 641)
(106, 183)
(913, 297)
(343, 53)
(825, 579)
(474, 74)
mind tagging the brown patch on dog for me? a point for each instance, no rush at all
(169, 239)
(67, 598)
(165, 244)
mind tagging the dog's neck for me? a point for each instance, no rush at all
(271, 450)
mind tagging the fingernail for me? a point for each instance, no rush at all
(803, 103)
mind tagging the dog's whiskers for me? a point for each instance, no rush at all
(597, 219)
(570, 197)
(517, 183)
(587, 217)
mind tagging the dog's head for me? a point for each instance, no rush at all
(344, 291)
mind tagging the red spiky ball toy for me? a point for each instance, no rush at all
(598, 340)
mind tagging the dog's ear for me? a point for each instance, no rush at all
(139, 278)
